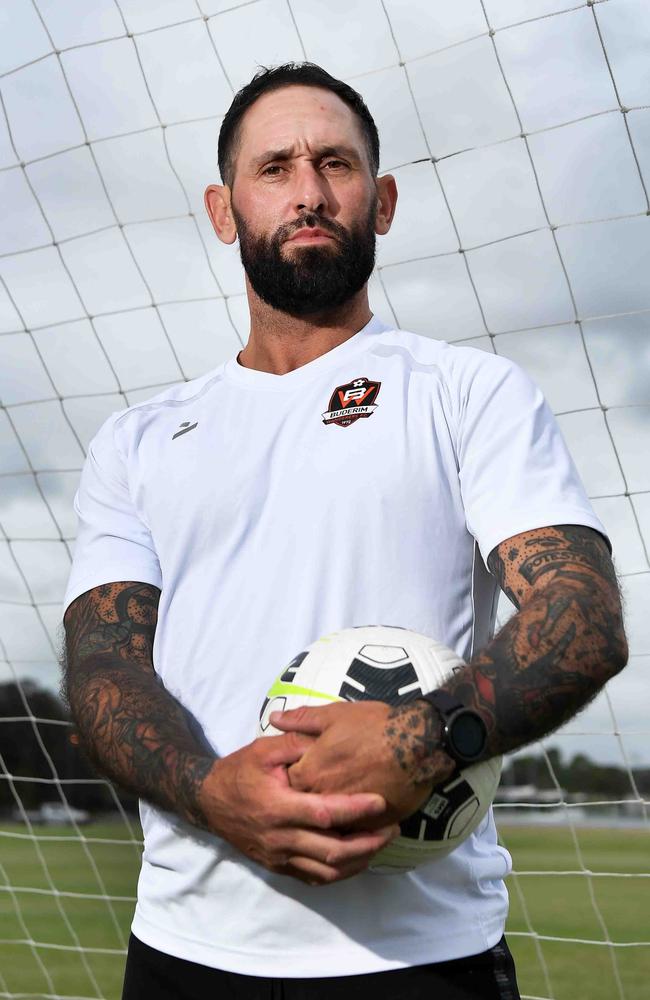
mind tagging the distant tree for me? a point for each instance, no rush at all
(584, 775)
(21, 754)
(529, 769)
(580, 775)
(642, 778)
(35, 730)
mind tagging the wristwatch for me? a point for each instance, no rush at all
(463, 735)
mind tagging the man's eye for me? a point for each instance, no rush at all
(334, 164)
(272, 170)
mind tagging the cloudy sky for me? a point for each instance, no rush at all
(519, 134)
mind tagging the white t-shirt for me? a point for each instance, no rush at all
(366, 487)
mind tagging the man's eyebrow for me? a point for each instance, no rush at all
(273, 155)
(349, 152)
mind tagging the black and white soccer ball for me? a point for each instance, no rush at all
(395, 665)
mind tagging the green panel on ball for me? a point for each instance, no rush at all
(284, 687)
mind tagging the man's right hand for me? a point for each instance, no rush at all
(246, 798)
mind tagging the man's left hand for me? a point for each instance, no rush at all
(369, 746)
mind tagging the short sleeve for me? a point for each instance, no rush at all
(515, 469)
(113, 542)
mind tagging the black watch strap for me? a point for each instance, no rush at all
(445, 703)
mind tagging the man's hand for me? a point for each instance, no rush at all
(140, 736)
(369, 747)
(247, 799)
(546, 663)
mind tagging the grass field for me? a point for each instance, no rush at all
(554, 905)
(562, 906)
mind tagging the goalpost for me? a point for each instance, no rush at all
(522, 149)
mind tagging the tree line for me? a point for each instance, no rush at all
(36, 750)
(575, 775)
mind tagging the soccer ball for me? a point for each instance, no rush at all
(395, 665)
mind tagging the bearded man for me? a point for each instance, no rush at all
(232, 520)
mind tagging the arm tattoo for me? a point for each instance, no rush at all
(413, 731)
(133, 730)
(566, 641)
(547, 662)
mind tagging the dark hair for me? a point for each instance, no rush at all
(273, 78)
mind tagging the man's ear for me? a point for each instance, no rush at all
(218, 206)
(387, 199)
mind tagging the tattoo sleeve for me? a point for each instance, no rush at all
(133, 730)
(565, 642)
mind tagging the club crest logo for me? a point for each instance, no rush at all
(352, 401)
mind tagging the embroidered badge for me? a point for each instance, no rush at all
(352, 401)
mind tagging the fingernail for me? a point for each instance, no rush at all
(274, 716)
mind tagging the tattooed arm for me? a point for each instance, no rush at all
(546, 664)
(548, 661)
(133, 730)
(137, 734)
(565, 642)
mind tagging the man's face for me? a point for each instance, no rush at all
(304, 201)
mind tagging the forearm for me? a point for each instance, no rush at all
(133, 730)
(545, 664)
(141, 737)
(553, 656)
(138, 735)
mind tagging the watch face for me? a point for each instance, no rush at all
(468, 734)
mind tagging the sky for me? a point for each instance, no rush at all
(519, 135)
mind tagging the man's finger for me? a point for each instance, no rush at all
(314, 873)
(285, 749)
(337, 849)
(306, 719)
(327, 812)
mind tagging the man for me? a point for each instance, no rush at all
(232, 520)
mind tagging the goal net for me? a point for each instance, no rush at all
(519, 135)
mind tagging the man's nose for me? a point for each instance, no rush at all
(311, 193)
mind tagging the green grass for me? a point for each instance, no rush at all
(557, 906)
(58, 920)
(562, 906)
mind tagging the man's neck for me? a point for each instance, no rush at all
(280, 343)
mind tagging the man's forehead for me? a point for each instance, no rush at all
(293, 112)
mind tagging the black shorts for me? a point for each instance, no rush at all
(152, 975)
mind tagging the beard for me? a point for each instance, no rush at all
(313, 279)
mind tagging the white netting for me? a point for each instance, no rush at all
(520, 139)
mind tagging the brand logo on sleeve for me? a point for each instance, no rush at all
(184, 428)
(352, 401)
